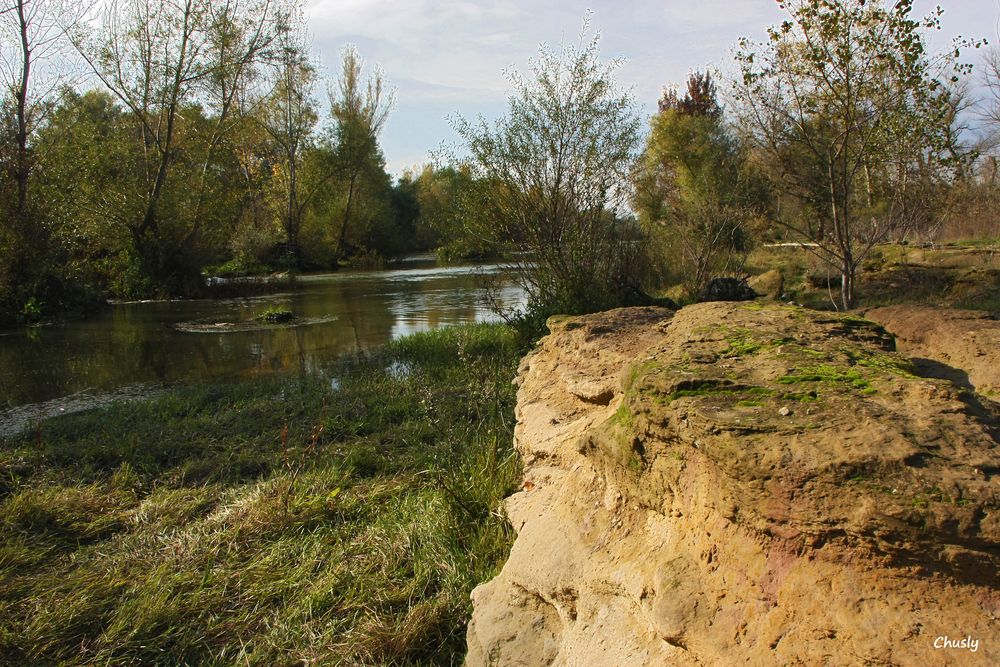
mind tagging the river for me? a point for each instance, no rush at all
(137, 348)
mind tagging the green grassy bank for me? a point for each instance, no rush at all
(278, 522)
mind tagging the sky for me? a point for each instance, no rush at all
(447, 57)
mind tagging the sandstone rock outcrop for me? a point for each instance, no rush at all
(961, 344)
(738, 484)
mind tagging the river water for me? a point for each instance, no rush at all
(134, 348)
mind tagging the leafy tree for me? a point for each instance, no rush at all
(257, 230)
(90, 152)
(552, 180)
(374, 234)
(446, 216)
(838, 89)
(289, 116)
(31, 40)
(695, 195)
(406, 213)
(359, 109)
(699, 100)
(165, 61)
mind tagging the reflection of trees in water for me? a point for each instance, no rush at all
(135, 342)
(91, 355)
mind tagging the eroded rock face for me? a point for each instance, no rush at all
(962, 345)
(742, 484)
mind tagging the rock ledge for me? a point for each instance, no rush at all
(734, 483)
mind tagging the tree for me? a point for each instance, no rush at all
(444, 216)
(406, 214)
(289, 115)
(89, 150)
(162, 59)
(700, 99)
(34, 27)
(551, 179)
(695, 195)
(991, 81)
(360, 110)
(839, 87)
(31, 38)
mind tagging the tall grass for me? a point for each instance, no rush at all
(275, 522)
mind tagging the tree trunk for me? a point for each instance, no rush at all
(347, 211)
(847, 278)
(23, 166)
(834, 209)
(293, 212)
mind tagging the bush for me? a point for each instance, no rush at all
(275, 315)
(549, 181)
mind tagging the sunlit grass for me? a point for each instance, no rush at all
(181, 530)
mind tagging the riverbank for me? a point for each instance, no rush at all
(269, 522)
(963, 275)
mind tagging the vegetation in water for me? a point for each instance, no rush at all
(271, 522)
(275, 315)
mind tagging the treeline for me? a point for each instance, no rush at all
(195, 142)
(842, 132)
(838, 132)
(199, 143)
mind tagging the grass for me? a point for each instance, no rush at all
(825, 373)
(741, 345)
(274, 522)
(896, 365)
(623, 417)
(746, 397)
(706, 388)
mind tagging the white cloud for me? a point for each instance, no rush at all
(449, 56)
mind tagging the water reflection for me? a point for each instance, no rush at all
(137, 342)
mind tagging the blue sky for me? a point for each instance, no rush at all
(448, 57)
